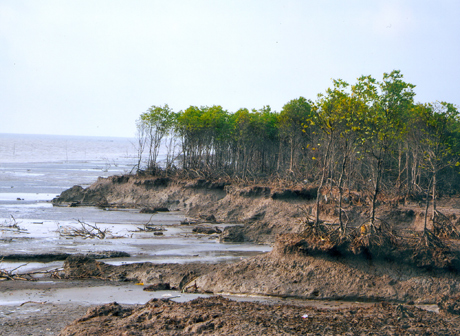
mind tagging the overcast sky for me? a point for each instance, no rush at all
(91, 67)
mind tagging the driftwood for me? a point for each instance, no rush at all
(11, 275)
(206, 230)
(86, 231)
(189, 221)
(13, 225)
(150, 228)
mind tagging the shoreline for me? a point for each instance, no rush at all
(296, 270)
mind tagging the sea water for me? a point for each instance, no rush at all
(36, 168)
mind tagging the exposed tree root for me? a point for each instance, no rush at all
(429, 251)
(375, 241)
(443, 226)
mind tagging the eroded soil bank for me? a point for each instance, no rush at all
(219, 316)
(398, 287)
(265, 211)
(268, 214)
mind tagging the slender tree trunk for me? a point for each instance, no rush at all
(407, 174)
(414, 173)
(141, 138)
(344, 162)
(427, 206)
(398, 181)
(434, 192)
(279, 157)
(318, 195)
(376, 188)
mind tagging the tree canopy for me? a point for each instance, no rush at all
(370, 135)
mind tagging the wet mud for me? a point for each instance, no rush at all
(220, 316)
(379, 295)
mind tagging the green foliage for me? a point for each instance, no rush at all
(371, 134)
(153, 125)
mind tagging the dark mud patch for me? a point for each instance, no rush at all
(176, 275)
(159, 287)
(206, 230)
(49, 257)
(291, 270)
(302, 193)
(232, 234)
(219, 316)
(36, 318)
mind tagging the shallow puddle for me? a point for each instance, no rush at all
(176, 244)
(123, 294)
(134, 294)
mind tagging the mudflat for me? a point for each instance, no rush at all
(388, 279)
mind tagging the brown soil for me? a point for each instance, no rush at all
(287, 274)
(38, 318)
(265, 211)
(175, 275)
(329, 278)
(219, 316)
(366, 268)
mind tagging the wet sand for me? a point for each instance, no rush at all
(46, 306)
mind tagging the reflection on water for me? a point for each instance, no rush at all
(34, 169)
(176, 244)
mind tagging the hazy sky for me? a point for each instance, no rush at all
(91, 67)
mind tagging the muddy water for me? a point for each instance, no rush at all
(177, 243)
(123, 294)
(35, 169)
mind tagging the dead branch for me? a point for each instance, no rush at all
(12, 223)
(443, 226)
(149, 228)
(11, 275)
(86, 231)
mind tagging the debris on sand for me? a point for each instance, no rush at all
(450, 304)
(159, 287)
(206, 230)
(12, 225)
(85, 231)
(6, 275)
(149, 228)
(220, 316)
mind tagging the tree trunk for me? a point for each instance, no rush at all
(427, 206)
(318, 194)
(344, 162)
(376, 189)
(434, 193)
(400, 171)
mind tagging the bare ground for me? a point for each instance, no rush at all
(219, 316)
(267, 212)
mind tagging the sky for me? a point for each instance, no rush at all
(91, 67)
